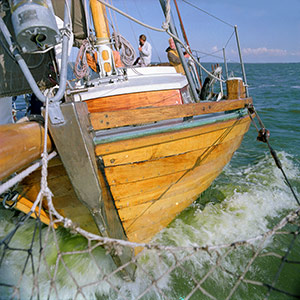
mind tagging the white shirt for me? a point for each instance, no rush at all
(145, 54)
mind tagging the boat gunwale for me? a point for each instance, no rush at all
(144, 115)
(108, 136)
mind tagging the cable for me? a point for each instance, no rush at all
(209, 14)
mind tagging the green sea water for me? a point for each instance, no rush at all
(248, 198)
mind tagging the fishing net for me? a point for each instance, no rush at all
(70, 263)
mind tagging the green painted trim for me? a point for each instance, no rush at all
(192, 123)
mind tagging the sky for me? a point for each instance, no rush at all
(269, 30)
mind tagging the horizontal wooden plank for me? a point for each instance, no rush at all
(191, 184)
(64, 198)
(120, 146)
(141, 222)
(138, 192)
(162, 212)
(176, 147)
(134, 193)
(131, 101)
(145, 235)
(161, 206)
(24, 205)
(112, 119)
(189, 179)
(166, 165)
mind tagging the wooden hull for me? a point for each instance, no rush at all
(137, 154)
(20, 144)
(64, 196)
(153, 178)
(148, 178)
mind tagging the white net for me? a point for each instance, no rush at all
(39, 262)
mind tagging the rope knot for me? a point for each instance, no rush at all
(67, 223)
(165, 26)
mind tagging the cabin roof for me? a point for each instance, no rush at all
(139, 80)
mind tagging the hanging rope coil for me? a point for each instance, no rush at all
(127, 52)
(81, 68)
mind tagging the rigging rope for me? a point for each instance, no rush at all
(81, 67)
(148, 33)
(209, 14)
(127, 53)
(16, 179)
(163, 30)
(263, 136)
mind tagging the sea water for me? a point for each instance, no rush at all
(247, 199)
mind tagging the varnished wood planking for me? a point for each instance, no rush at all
(154, 219)
(53, 172)
(190, 183)
(134, 100)
(20, 144)
(175, 147)
(159, 167)
(64, 198)
(136, 192)
(183, 193)
(153, 192)
(131, 203)
(25, 206)
(115, 147)
(145, 236)
(111, 119)
(144, 228)
(151, 169)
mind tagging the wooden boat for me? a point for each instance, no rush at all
(133, 153)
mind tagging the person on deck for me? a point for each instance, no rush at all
(145, 51)
(173, 57)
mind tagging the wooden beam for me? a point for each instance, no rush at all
(113, 119)
(20, 144)
(134, 101)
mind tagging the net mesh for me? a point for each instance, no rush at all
(70, 263)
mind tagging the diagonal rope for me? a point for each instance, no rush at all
(209, 14)
(148, 32)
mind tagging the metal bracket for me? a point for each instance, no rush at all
(55, 115)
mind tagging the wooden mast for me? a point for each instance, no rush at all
(185, 36)
(100, 22)
(181, 25)
(105, 54)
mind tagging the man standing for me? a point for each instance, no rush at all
(145, 50)
(174, 57)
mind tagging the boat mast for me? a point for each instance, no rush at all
(185, 37)
(181, 56)
(181, 25)
(105, 54)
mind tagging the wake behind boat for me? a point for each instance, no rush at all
(136, 145)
